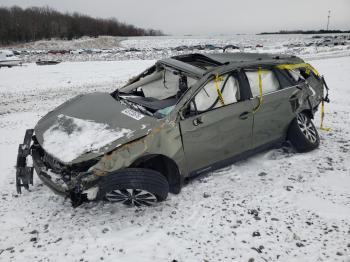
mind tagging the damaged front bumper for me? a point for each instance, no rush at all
(24, 174)
(78, 186)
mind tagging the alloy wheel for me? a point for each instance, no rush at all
(307, 128)
(132, 197)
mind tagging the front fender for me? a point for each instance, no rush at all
(163, 140)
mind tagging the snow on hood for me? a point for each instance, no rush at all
(70, 137)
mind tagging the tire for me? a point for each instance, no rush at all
(303, 134)
(134, 187)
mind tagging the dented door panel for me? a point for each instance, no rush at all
(219, 135)
(275, 114)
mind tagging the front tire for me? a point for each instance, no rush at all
(134, 187)
(303, 134)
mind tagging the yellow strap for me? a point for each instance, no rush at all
(306, 66)
(322, 118)
(218, 79)
(314, 70)
(260, 91)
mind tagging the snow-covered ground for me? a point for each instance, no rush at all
(276, 206)
(83, 42)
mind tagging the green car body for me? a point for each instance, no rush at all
(171, 135)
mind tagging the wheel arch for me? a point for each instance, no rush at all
(164, 165)
(308, 112)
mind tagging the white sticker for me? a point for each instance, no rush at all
(133, 114)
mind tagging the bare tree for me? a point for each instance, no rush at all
(36, 23)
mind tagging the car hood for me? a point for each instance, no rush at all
(88, 126)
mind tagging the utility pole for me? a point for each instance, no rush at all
(329, 16)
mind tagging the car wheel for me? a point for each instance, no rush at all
(134, 187)
(303, 134)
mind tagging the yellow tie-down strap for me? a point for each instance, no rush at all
(217, 80)
(322, 118)
(306, 66)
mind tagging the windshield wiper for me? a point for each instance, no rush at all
(135, 106)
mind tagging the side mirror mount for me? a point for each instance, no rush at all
(193, 107)
(189, 110)
(181, 114)
(182, 85)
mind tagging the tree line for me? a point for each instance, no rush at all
(19, 25)
(285, 32)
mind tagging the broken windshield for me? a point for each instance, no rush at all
(157, 90)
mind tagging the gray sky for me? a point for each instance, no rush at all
(209, 17)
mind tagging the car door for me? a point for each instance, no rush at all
(216, 131)
(272, 118)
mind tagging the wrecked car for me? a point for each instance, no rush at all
(184, 116)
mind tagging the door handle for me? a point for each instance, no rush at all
(244, 115)
(197, 121)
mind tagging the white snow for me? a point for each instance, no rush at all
(34, 88)
(299, 203)
(83, 42)
(70, 137)
(77, 76)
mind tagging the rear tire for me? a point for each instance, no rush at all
(303, 134)
(134, 187)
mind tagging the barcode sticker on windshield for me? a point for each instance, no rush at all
(133, 114)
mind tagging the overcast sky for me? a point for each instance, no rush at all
(209, 17)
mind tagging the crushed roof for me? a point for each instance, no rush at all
(232, 60)
(253, 58)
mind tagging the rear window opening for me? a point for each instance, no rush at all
(296, 75)
(300, 74)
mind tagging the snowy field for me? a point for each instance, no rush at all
(276, 206)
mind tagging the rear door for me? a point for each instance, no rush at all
(273, 117)
(215, 131)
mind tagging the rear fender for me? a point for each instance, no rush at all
(315, 90)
